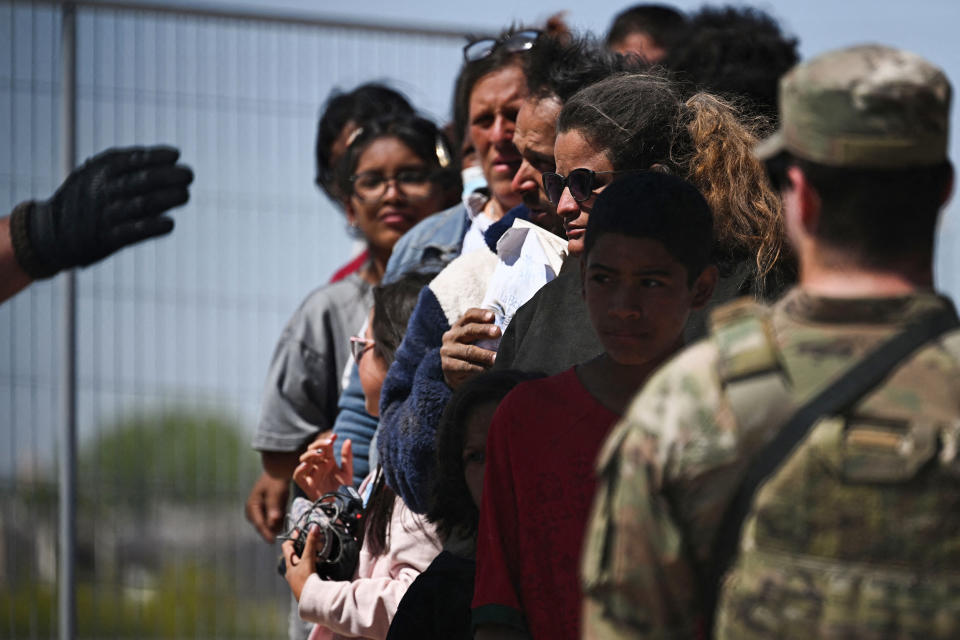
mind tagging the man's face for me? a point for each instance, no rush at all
(638, 297)
(494, 103)
(640, 44)
(573, 151)
(534, 138)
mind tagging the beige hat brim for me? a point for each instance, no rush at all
(770, 147)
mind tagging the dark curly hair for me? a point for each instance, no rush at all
(737, 53)
(561, 67)
(368, 101)
(451, 507)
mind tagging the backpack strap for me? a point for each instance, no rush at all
(755, 381)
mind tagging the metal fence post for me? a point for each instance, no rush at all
(66, 595)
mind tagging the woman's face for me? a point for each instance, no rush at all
(494, 103)
(372, 370)
(574, 151)
(391, 192)
(475, 448)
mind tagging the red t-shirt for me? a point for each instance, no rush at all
(354, 265)
(537, 491)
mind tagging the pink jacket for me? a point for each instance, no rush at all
(365, 607)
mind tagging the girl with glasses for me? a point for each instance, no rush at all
(397, 544)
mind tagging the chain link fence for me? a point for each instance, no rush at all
(173, 336)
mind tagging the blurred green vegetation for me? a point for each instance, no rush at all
(176, 456)
(133, 585)
(185, 601)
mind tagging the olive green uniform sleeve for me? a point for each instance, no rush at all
(638, 579)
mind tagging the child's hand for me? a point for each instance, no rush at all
(300, 568)
(317, 472)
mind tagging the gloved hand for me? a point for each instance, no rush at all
(115, 199)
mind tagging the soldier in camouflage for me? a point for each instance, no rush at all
(857, 532)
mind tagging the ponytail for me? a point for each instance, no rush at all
(746, 211)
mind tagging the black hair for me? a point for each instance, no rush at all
(660, 207)
(393, 305)
(471, 73)
(662, 23)
(874, 216)
(451, 508)
(423, 137)
(367, 101)
(561, 67)
(738, 53)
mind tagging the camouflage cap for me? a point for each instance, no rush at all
(868, 106)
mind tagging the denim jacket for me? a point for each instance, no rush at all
(430, 245)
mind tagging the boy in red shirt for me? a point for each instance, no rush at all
(646, 265)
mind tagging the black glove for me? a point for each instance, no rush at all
(115, 199)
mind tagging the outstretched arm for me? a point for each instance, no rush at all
(117, 198)
(13, 278)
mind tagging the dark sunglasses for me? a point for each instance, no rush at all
(581, 183)
(513, 43)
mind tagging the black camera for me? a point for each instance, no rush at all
(339, 518)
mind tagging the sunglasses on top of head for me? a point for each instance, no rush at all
(581, 183)
(513, 43)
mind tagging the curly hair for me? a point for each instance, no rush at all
(737, 53)
(642, 121)
(451, 508)
(748, 221)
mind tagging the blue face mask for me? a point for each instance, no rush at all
(473, 179)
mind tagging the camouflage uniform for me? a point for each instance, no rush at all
(671, 466)
(857, 534)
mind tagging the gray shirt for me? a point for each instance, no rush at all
(305, 376)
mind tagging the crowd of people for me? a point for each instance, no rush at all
(643, 343)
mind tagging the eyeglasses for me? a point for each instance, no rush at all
(359, 346)
(513, 43)
(581, 182)
(415, 184)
